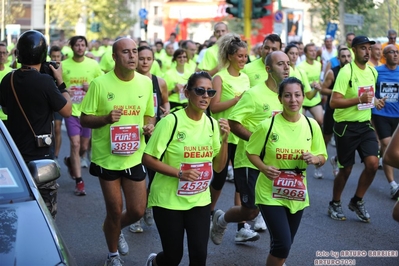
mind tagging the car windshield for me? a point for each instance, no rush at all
(13, 186)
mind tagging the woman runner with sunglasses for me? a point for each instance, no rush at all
(184, 149)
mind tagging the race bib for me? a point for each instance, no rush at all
(154, 95)
(276, 112)
(360, 91)
(125, 140)
(77, 94)
(189, 188)
(289, 185)
(390, 90)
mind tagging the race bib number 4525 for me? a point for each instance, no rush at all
(188, 188)
(289, 185)
(125, 140)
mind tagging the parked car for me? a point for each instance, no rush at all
(28, 233)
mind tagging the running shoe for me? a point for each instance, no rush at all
(217, 231)
(136, 227)
(380, 164)
(332, 142)
(246, 234)
(395, 192)
(80, 189)
(148, 218)
(360, 210)
(67, 162)
(123, 247)
(150, 259)
(84, 162)
(114, 261)
(259, 224)
(230, 174)
(318, 173)
(335, 211)
(334, 164)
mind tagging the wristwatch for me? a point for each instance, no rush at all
(180, 174)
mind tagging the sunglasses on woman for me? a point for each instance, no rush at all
(201, 91)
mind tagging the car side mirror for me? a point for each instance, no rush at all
(44, 171)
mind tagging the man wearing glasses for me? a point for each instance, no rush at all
(392, 35)
(387, 119)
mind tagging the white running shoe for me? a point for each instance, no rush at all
(230, 174)
(395, 192)
(123, 247)
(259, 224)
(246, 234)
(217, 231)
(150, 259)
(332, 142)
(334, 164)
(136, 227)
(318, 172)
(84, 162)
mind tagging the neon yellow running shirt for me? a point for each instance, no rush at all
(135, 99)
(193, 142)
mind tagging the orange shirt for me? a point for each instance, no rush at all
(382, 60)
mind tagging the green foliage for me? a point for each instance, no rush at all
(114, 16)
(329, 11)
(378, 16)
(12, 10)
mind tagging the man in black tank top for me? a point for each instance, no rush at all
(344, 57)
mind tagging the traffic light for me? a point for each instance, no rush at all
(236, 9)
(258, 8)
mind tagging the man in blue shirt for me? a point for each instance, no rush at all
(386, 120)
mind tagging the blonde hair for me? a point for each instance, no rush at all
(229, 45)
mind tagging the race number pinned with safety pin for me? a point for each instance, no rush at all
(189, 188)
(289, 185)
(368, 90)
(125, 140)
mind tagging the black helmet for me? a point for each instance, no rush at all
(31, 48)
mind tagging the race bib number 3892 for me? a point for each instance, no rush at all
(125, 140)
(188, 188)
(289, 185)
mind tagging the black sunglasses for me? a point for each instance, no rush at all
(201, 91)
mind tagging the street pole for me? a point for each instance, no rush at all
(341, 9)
(247, 22)
(47, 21)
(2, 20)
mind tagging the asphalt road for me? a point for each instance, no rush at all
(319, 237)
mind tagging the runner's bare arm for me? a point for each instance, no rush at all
(270, 172)
(93, 121)
(239, 130)
(219, 161)
(149, 123)
(165, 169)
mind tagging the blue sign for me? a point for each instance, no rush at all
(331, 29)
(143, 13)
(278, 16)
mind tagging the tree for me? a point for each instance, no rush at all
(12, 10)
(114, 17)
(329, 11)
